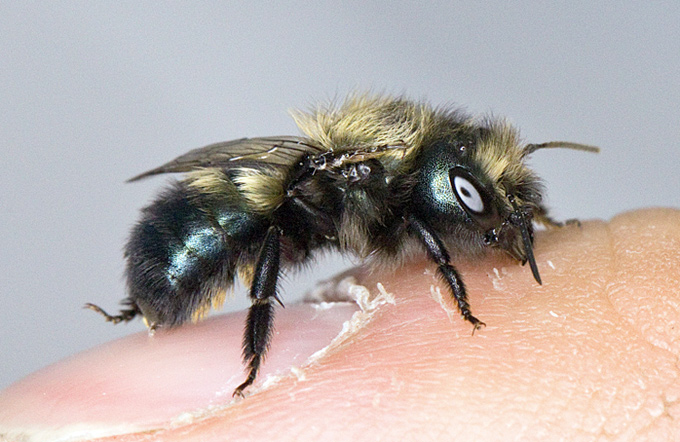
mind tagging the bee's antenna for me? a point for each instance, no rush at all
(531, 148)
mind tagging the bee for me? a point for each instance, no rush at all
(379, 177)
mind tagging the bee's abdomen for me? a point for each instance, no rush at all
(184, 252)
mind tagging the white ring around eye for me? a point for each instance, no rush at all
(468, 194)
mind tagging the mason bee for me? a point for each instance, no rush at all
(379, 177)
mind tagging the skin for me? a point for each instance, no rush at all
(589, 355)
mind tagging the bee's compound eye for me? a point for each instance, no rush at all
(468, 194)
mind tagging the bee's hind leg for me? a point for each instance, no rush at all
(260, 322)
(125, 315)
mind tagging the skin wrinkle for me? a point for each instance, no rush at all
(646, 309)
(628, 321)
(653, 423)
(594, 398)
(607, 286)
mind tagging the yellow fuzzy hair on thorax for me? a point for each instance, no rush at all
(375, 122)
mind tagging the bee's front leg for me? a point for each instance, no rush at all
(437, 253)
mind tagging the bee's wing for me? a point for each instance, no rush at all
(275, 151)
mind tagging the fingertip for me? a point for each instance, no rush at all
(143, 383)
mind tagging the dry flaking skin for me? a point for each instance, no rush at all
(378, 177)
(329, 294)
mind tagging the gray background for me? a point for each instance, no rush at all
(94, 93)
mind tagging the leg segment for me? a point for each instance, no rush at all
(125, 315)
(260, 320)
(437, 253)
(541, 216)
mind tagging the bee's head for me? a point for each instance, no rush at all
(502, 213)
(480, 183)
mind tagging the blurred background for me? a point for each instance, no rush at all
(93, 93)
